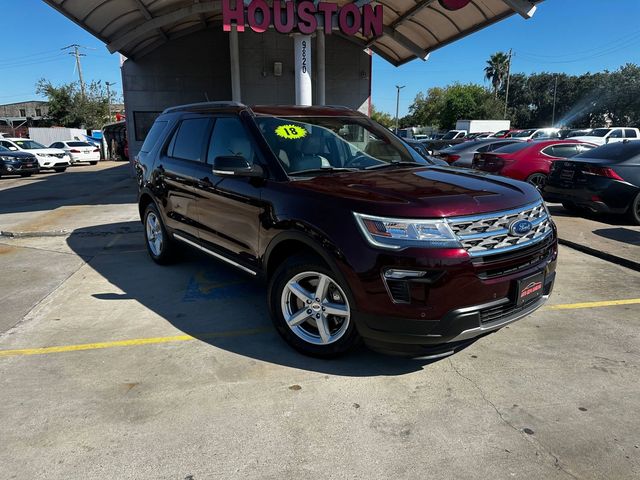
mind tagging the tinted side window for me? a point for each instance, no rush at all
(152, 136)
(630, 133)
(561, 151)
(585, 148)
(188, 140)
(229, 139)
(616, 134)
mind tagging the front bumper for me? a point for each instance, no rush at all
(53, 162)
(17, 169)
(459, 300)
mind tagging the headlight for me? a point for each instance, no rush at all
(7, 159)
(398, 233)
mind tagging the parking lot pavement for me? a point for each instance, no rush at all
(126, 369)
(610, 237)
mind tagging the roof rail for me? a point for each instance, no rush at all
(204, 105)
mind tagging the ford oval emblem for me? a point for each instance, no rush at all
(520, 228)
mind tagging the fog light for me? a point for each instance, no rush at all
(401, 274)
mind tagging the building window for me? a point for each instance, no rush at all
(23, 112)
(143, 121)
(38, 112)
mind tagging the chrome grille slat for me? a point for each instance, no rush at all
(489, 234)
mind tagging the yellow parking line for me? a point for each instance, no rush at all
(240, 333)
(130, 343)
(608, 303)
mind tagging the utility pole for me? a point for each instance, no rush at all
(506, 97)
(109, 85)
(398, 87)
(76, 53)
(555, 97)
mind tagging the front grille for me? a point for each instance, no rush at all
(517, 261)
(490, 234)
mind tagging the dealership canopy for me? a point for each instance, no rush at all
(410, 29)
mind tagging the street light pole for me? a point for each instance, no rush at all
(506, 96)
(109, 85)
(555, 97)
(398, 87)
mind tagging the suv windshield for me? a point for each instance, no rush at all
(332, 143)
(599, 132)
(28, 144)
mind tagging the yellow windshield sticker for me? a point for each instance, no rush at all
(291, 132)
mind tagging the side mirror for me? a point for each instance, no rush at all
(235, 166)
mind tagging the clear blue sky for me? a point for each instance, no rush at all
(572, 36)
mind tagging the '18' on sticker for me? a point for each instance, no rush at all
(291, 132)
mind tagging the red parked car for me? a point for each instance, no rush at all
(529, 161)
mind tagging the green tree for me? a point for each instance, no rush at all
(497, 70)
(468, 101)
(69, 107)
(382, 118)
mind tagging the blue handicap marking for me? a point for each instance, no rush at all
(218, 283)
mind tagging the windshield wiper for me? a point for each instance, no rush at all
(324, 170)
(396, 164)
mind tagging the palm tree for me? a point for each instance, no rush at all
(496, 70)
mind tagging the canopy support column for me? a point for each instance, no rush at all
(302, 52)
(234, 55)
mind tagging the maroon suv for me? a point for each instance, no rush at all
(357, 236)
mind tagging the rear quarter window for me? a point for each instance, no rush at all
(614, 152)
(153, 135)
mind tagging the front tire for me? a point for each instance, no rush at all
(311, 309)
(60, 169)
(93, 163)
(159, 245)
(25, 175)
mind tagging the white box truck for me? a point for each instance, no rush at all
(482, 126)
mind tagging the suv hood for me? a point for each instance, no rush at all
(22, 155)
(423, 192)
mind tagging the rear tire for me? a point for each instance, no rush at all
(93, 163)
(159, 245)
(634, 210)
(538, 180)
(25, 175)
(60, 169)
(302, 292)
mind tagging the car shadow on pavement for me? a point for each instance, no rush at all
(210, 301)
(623, 235)
(48, 191)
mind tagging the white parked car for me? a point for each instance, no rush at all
(79, 151)
(602, 136)
(538, 134)
(48, 158)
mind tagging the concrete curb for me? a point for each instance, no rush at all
(623, 262)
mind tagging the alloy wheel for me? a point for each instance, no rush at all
(315, 308)
(538, 180)
(154, 234)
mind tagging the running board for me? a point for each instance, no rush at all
(214, 254)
